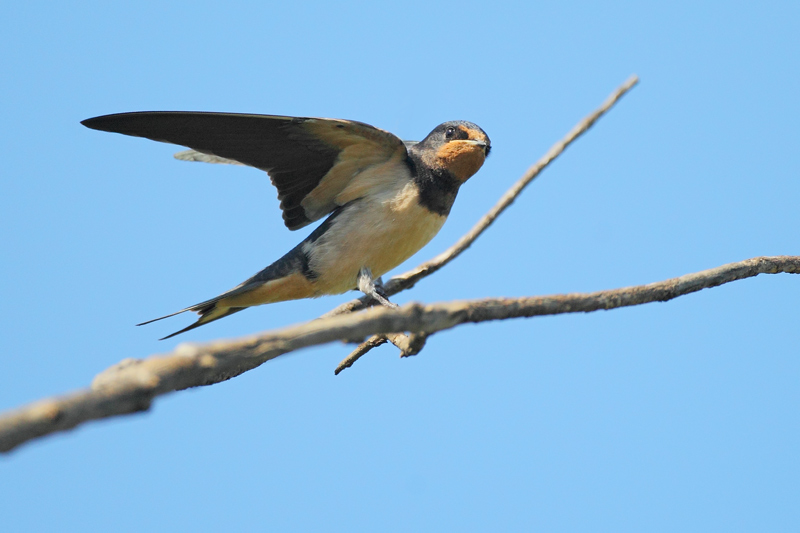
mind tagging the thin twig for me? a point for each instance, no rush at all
(408, 279)
(407, 344)
(131, 386)
(361, 349)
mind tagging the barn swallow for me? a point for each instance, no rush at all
(386, 198)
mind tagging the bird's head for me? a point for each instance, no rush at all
(457, 147)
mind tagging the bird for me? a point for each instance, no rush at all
(384, 198)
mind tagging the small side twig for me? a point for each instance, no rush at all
(361, 349)
(407, 344)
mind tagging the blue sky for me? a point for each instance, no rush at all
(666, 417)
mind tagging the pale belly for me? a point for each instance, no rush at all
(373, 234)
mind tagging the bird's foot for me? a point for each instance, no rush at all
(373, 288)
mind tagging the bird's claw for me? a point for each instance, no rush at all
(374, 288)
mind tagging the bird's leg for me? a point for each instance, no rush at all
(373, 288)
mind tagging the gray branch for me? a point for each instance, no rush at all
(131, 385)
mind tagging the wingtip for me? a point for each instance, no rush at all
(107, 123)
(91, 123)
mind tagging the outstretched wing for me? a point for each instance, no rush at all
(317, 164)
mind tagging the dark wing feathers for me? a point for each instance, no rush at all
(296, 152)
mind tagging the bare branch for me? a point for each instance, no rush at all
(407, 344)
(361, 349)
(131, 385)
(408, 279)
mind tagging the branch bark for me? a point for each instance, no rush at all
(131, 385)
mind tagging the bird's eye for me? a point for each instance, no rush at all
(449, 133)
